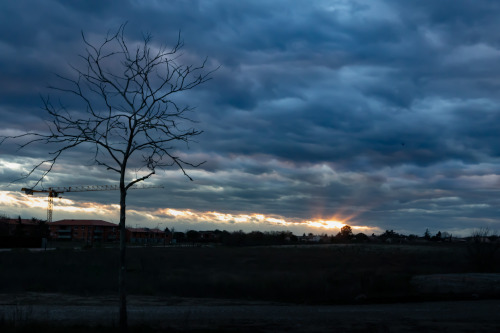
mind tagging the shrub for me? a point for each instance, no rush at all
(483, 251)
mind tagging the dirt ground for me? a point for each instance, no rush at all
(207, 315)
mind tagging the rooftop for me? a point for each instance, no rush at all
(99, 223)
(155, 230)
(23, 221)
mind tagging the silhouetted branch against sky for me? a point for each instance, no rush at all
(382, 113)
(126, 108)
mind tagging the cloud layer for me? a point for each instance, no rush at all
(385, 112)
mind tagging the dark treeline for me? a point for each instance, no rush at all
(345, 235)
(22, 232)
(235, 238)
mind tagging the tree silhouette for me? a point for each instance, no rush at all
(346, 232)
(126, 116)
(427, 234)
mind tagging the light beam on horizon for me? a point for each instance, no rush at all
(10, 199)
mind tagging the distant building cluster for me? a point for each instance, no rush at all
(91, 231)
(35, 233)
(22, 232)
(20, 227)
(17, 231)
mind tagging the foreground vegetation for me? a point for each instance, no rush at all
(307, 274)
(299, 274)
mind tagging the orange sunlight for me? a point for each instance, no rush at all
(15, 202)
(326, 224)
(19, 200)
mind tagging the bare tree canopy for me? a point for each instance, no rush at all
(126, 90)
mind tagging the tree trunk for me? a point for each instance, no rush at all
(123, 266)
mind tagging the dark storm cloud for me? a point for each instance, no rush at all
(390, 108)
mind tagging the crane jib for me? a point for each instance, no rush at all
(55, 191)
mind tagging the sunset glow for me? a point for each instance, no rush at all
(292, 139)
(14, 199)
(67, 208)
(326, 224)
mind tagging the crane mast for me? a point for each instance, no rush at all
(53, 192)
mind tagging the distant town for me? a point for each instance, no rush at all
(35, 233)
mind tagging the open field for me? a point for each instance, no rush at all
(288, 279)
(304, 274)
(155, 314)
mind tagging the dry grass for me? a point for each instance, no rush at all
(308, 275)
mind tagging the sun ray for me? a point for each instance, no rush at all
(78, 209)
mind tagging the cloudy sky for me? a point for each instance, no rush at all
(382, 114)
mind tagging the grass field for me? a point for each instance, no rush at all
(333, 274)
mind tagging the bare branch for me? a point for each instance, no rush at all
(126, 115)
(126, 112)
(126, 109)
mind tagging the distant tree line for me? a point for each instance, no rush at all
(235, 238)
(22, 233)
(16, 231)
(345, 235)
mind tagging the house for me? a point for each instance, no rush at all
(22, 233)
(20, 227)
(148, 236)
(209, 236)
(89, 231)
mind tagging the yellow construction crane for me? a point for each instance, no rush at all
(55, 191)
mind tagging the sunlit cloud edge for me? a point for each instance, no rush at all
(12, 201)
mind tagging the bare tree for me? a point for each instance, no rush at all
(127, 116)
(482, 250)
